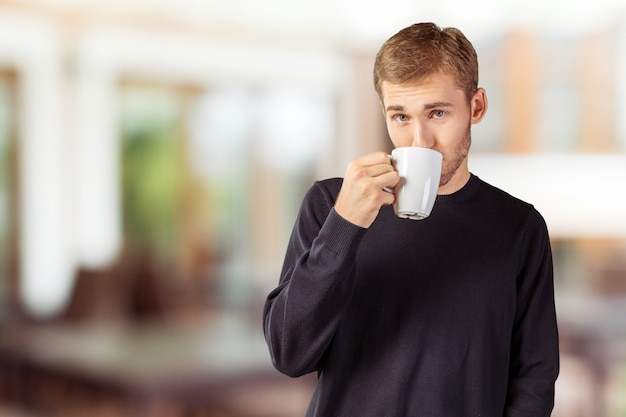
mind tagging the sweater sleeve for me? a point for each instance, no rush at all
(534, 362)
(316, 284)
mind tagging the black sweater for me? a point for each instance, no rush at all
(451, 316)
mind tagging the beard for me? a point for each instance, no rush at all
(452, 162)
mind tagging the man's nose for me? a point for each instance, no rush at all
(422, 137)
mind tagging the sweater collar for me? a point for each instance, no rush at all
(464, 194)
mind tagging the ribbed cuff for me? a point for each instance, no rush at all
(340, 235)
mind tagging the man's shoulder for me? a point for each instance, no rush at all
(321, 196)
(502, 196)
(510, 206)
(508, 211)
(329, 187)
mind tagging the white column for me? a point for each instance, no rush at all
(33, 47)
(97, 198)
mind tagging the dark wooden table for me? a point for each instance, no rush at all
(141, 369)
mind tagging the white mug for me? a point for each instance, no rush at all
(420, 172)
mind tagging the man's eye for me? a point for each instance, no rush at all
(438, 114)
(400, 118)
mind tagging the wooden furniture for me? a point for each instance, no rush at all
(150, 369)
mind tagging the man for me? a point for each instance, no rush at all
(450, 316)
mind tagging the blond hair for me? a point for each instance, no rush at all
(423, 49)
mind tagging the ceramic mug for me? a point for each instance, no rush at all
(420, 172)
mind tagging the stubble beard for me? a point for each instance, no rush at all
(452, 164)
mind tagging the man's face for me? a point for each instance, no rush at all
(434, 113)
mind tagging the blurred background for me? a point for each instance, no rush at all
(154, 153)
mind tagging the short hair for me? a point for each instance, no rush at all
(422, 49)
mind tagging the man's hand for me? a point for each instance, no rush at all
(362, 193)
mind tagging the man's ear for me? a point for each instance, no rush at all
(478, 105)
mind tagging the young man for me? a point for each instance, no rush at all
(450, 316)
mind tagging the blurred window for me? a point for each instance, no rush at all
(4, 137)
(559, 102)
(490, 134)
(7, 180)
(255, 150)
(558, 110)
(212, 179)
(152, 167)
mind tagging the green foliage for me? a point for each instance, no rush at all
(151, 167)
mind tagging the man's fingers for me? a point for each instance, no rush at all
(387, 180)
(372, 159)
(363, 191)
(372, 165)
